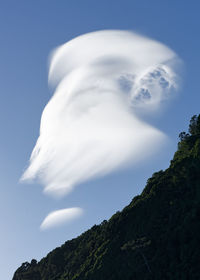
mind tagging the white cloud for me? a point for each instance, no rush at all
(60, 217)
(90, 126)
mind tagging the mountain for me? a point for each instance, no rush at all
(157, 236)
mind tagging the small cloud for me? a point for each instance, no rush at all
(60, 217)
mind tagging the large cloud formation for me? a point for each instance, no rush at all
(90, 126)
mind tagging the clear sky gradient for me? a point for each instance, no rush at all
(29, 30)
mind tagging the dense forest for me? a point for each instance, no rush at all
(157, 236)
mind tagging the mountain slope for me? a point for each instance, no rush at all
(155, 237)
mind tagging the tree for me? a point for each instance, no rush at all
(138, 245)
(183, 135)
(33, 262)
(194, 126)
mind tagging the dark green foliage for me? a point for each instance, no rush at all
(194, 127)
(155, 237)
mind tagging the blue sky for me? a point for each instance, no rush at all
(29, 31)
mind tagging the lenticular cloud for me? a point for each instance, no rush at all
(90, 125)
(60, 217)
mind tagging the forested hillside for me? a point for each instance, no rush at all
(157, 236)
